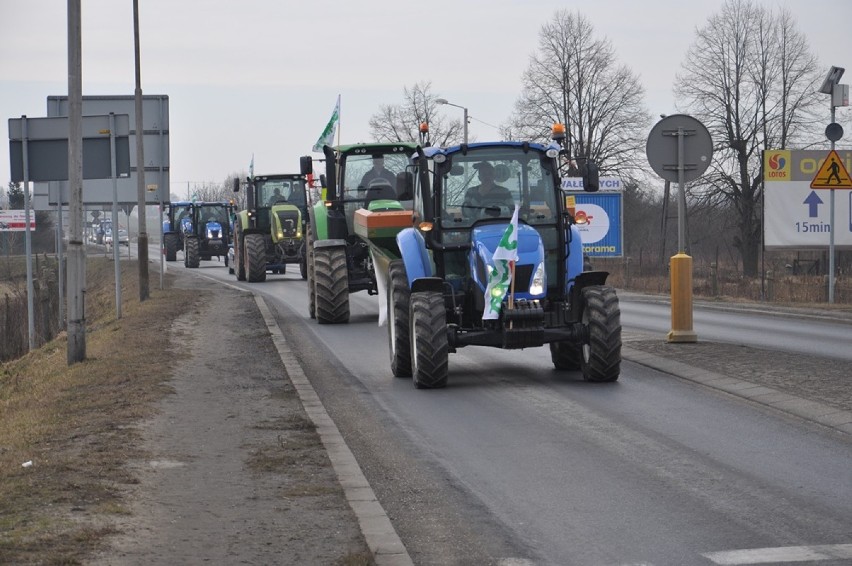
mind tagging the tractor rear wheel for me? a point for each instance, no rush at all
(601, 360)
(255, 260)
(190, 252)
(428, 334)
(566, 356)
(399, 343)
(171, 243)
(331, 282)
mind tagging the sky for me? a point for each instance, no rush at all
(260, 77)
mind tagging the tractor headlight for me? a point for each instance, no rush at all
(539, 281)
(280, 235)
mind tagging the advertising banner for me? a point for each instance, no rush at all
(797, 216)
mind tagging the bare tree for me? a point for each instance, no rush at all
(750, 78)
(573, 79)
(401, 122)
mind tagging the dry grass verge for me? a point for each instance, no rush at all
(75, 423)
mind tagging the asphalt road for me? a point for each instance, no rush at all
(514, 463)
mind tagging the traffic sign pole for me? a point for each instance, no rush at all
(831, 233)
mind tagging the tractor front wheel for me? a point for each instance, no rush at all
(312, 292)
(171, 243)
(428, 333)
(331, 281)
(255, 260)
(601, 360)
(399, 295)
(190, 252)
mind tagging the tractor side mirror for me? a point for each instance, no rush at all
(591, 175)
(306, 165)
(236, 184)
(322, 181)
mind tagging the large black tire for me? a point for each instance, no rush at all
(331, 282)
(255, 260)
(303, 262)
(312, 291)
(239, 264)
(171, 243)
(428, 334)
(190, 252)
(566, 356)
(399, 342)
(602, 316)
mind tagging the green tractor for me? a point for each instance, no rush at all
(207, 233)
(359, 179)
(269, 234)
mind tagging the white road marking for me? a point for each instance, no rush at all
(782, 554)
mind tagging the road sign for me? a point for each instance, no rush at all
(47, 147)
(832, 174)
(796, 216)
(662, 148)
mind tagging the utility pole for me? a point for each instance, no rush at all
(142, 241)
(76, 251)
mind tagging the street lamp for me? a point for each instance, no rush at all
(444, 101)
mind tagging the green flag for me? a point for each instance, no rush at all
(327, 135)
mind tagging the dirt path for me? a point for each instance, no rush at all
(235, 472)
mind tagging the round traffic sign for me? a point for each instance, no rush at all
(662, 147)
(834, 131)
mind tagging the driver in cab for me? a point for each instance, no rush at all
(487, 193)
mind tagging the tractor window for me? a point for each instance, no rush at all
(367, 172)
(488, 182)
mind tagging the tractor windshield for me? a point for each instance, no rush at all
(214, 213)
(488, 182)
(278, 191)
(368, 177)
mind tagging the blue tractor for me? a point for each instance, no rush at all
(436, 273)
(178, 218)
(206, 232)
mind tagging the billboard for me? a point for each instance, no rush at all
(797, 216)
(599, 219)
(16, 220)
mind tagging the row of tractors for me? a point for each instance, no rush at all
(418, 227)
(423, 236)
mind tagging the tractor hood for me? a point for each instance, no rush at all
(484, 241)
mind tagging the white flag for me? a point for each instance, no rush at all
(327, 135)
(500, 274)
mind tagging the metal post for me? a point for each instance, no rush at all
(465, 123)
(60, 260)
(681, 263)
(115, 243)
(28, 237)
(142, 242)
(76, 251)
(681, 201)
(831, 229)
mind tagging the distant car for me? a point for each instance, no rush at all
(123, 238)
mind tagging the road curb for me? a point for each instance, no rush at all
(381, 537)
(813, 411)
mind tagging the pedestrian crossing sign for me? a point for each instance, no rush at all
(832, 174)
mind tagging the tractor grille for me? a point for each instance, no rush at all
(523, 273)
(289, 220)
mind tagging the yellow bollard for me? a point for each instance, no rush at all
(681, 277)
